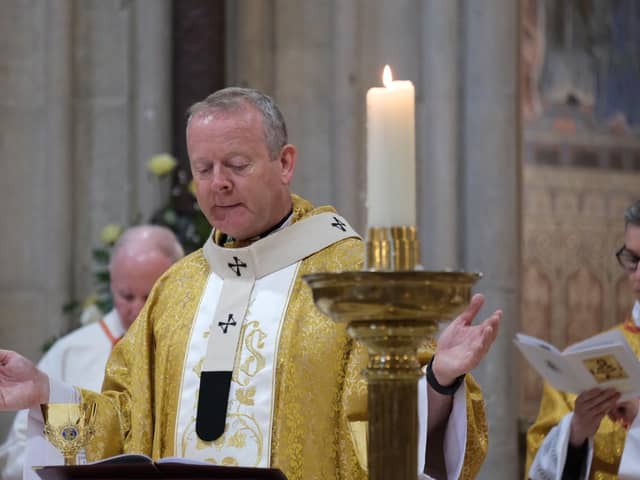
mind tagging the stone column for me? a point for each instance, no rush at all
(490, 196)
(36, 187)
(438, 117)
(151, 101)
(121, 118)
(251, 44)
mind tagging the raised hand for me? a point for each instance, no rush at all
(462, 345)
(22, 385)
(590, 408)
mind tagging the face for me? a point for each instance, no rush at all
(632, 243)
(241, 190)
(132, 278)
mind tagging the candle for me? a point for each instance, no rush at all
(391, 163)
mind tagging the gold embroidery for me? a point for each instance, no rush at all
(245, 396)
(253, 342)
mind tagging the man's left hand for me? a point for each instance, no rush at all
(461, 345)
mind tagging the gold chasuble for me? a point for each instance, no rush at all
(317, 393)
(608, 440)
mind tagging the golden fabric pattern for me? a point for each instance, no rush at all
(608, 440)
(318, 389)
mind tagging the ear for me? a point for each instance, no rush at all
(288, 158)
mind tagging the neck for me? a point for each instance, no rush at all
(229, 241)
(277, 225)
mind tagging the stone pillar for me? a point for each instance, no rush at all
(122, 117)
(151, 101)
(36, 187)
(438, 117)
(85, 102)
(251, 44)
(347, 117)
(490, 196)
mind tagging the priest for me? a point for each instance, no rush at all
(584, 436)
(230, 362)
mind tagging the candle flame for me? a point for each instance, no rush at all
(387, 78)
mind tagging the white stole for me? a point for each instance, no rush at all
(268, 269)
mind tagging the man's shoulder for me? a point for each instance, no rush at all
(192, 264)
(344, 255)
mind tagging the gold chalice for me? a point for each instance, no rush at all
(68, 426)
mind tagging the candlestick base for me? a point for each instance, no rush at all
(392, 249)
(392, 314)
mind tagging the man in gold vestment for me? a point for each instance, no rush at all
(295, 395)
(573, 437)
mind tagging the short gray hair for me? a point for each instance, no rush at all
(236, 98)
(632, 214)
(148, 238)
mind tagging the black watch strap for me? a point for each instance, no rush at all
(442, 389)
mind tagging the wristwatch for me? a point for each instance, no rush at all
(442, 389)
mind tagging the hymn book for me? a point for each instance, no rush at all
(605, 361)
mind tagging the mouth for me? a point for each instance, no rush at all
(221, 211)
(227, 207)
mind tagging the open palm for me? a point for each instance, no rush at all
(462, 345)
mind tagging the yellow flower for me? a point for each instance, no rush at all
(161, 164)
(192, 188)
(110, 233)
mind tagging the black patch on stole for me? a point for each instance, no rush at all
(212, 404)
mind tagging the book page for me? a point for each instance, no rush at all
(529, 340)
(608, 367)
(610, 338)
(550, 364)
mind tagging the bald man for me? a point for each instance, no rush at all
(141, 255)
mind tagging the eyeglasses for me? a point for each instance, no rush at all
(627, 259)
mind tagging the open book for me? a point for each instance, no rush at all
(604, 360)
(143, 467)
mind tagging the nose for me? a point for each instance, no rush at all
(220, 180)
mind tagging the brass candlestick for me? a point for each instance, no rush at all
(393, 309)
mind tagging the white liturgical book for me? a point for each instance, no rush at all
(605, 361)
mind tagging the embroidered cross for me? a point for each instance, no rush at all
(339, 224)
(237, 265)
(225, 325)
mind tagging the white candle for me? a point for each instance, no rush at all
(391, 162)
